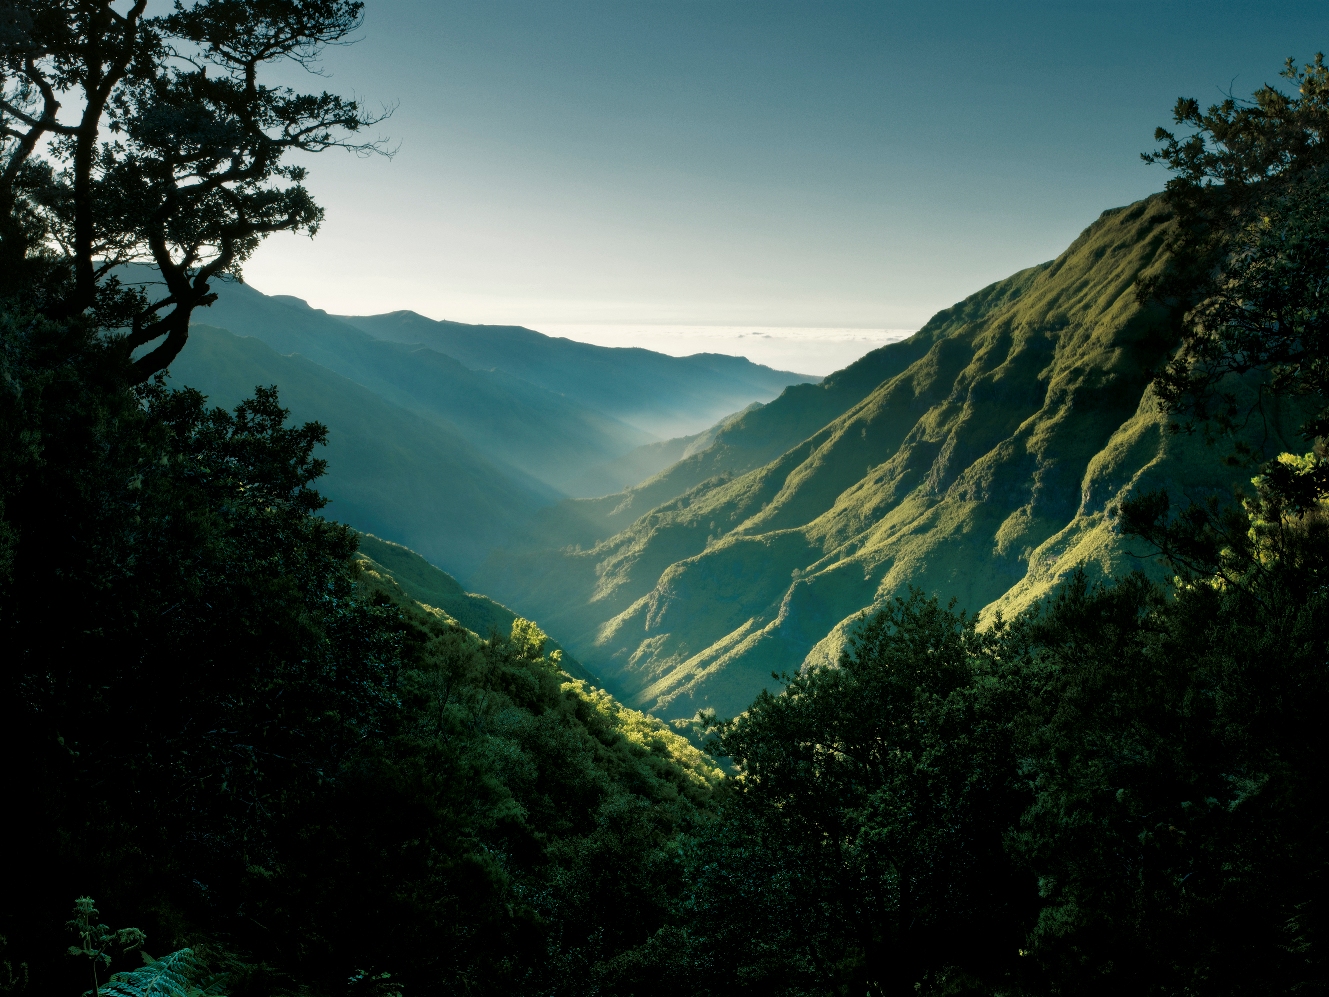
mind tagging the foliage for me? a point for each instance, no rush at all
(1250, 254)
(258, 746)
(872, 800)
(1250, 268)
(1237, 143)
(1262, 308)
(181, 974)
(95, 941)
(1177, 829)
(1121, 791)
(174, 152)
(1123, 788)
(236, 735)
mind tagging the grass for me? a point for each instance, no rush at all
(980, 459)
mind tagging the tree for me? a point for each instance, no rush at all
(862, 848)
(1174, 745)
(1249, 278)
(171, 151)
(1251, 254)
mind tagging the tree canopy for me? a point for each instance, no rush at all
(135, 138)
(1250, 187)
(291, 778)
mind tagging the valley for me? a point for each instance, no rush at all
(454, 459)
(350, 652)
(983, 458)
(980, 458)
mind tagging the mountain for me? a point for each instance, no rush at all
(982, 458)
(658, 394)
(650, 459)
(526, 429)
(425, 450)
(390, 470)
(435, 589)
(548, 409)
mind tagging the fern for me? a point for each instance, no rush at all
(180, 974)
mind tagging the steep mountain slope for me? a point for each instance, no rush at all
(525, 428)
(390, 471)
(736, 445)
(648, 460)
(534, 405)
(662, 395)
(434, 588)
(979, 459)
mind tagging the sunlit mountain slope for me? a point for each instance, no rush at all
(979, 459)
(436, 589)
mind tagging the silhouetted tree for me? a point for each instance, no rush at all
(1251, 254)
(131, 138)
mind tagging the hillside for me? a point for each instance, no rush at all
(526, 429)
(658, 394)
(979, 459)
(434, 588)
(390, 471)
(560, 412)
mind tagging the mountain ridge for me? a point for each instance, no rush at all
(665, 395)
(390, 470)
(519, 425)
(983, 463)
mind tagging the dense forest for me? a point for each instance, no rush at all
(281, 764)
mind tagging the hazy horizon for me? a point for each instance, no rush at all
(798, 349)
(611, 169)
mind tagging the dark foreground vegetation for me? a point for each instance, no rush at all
(278, 774)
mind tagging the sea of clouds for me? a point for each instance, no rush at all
(804, 350)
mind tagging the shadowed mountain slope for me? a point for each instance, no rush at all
(434, 588)
(647, 461)
(981, 458)
(563, 425)
(659, 394)
(520, 426)
(389, 469)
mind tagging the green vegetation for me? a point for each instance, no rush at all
(1122, 792)
(250, 741)
(1122, 789)
(291, 775)
(301, 760)
(137, 138)
(437, 591)
(983, 459)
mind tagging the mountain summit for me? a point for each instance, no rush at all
(982, 458)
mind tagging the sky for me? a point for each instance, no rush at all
(796, 182)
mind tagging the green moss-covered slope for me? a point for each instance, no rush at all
(436, 589)
(979, 459)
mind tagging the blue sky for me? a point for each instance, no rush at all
(730, 163)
